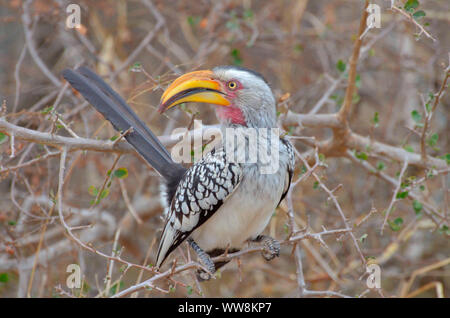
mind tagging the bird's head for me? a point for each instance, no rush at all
(242, 96)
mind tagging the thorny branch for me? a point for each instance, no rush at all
(342, 144)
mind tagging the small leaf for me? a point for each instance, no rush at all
(93, 191)
(303, 170)
(4, 277)
(417, 206)
(419, 14)
(193, 21)
(396, 224)
(380, 166)
(236, 57)
(136, 67)
(444, 230)
(363, 237)
(316, 185)
(358, 81)
(361, 155)
(447, 158)
(104, 194)
(47, 110)
(115, 288)
(408, 148)
(341, 66)
(376, 119)
(189, 289)
(121, 173)
(248, 14)
(3, 138)
(402, 195)
(432, 141)
(410, 5)
(416, 116)
(298, 48)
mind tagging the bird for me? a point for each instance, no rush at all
(218, 204)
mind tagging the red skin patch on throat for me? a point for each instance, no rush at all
(231, 113)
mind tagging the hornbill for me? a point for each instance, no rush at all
(217, 204)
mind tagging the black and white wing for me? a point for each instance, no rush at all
(200, 193)
(290, 167)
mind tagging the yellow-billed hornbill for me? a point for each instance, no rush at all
(217, 204)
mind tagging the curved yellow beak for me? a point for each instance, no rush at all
(198, 86)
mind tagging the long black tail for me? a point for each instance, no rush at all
(114, 108)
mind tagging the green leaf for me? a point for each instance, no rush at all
(419, 14)
(316, 185)
(303, 170)
(104, 194)
(410, 5)
(115, 288)
(236, 57)
(380, 166)
(12, 222)
(416, 116)
(4, 277)
(358, 81)
(408, 148)
(93, 191)
(447, 158)
(432, 141)
(417, 206)
(444, 230)
(248, 14)
(47, 110)
(376, 119)
(298, 48)
(193, 21)
(136, 67)
(402, 195)
(396, 224)
(121, 173)
(341, 66)
(361, 155)
(3, 138)
(189, 289)
(363, 237)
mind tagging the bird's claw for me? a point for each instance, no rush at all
(209, 265)
(206, 261)
(271, 247)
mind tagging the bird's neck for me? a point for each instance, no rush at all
(248, 132)
(246, 117)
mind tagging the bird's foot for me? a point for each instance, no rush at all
(271, 247)
(206, 261)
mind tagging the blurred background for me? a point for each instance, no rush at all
(302, 48)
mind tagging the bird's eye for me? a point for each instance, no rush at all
(232, 85)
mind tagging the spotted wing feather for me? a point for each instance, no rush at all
(200, 193)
